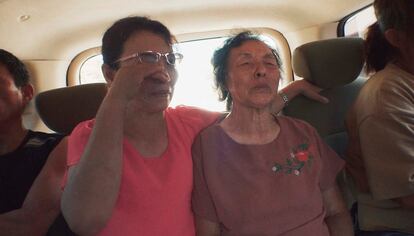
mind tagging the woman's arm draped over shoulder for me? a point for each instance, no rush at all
(294, 89)
(42, 204)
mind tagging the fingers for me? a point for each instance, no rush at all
(125, 83)
(316, 96)
(310, 87)
(128, 80)
(311, 91)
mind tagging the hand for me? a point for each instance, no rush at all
(125, 83)
(305, 88)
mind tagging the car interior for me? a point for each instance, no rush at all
(55, 40)
(319, 40)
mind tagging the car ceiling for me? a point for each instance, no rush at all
(58, 30)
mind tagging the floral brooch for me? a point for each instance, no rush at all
(298, 158)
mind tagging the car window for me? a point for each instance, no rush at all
(357, 23)
(195, 85)
(90, 71)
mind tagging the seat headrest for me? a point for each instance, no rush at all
(320, 62)
(63, 108)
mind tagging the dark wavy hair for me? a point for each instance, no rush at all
(395, 14)
(220, 62)
(115, 37)
(16, 68)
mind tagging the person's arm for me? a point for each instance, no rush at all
(42, 204)
(337, 216)
(206, 228)
(206, 219)
(294, 89)
(93, 183)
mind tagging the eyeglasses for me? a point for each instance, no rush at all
(150, 57)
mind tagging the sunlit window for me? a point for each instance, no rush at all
(195, 85)
(90, 71)
(357, 24)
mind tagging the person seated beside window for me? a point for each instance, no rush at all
(256, 173)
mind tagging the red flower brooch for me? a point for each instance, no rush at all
(299, 157)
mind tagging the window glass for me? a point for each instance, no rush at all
(90, 71)
(195, 85)
(357, 24)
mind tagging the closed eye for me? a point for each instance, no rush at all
(270, 63)
(244, 63)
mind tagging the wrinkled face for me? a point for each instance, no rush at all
(253, 75)
(158, 79)
(12, 101)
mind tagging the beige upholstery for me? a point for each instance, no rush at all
(335, 65)
(329, 63)
(63, 108)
